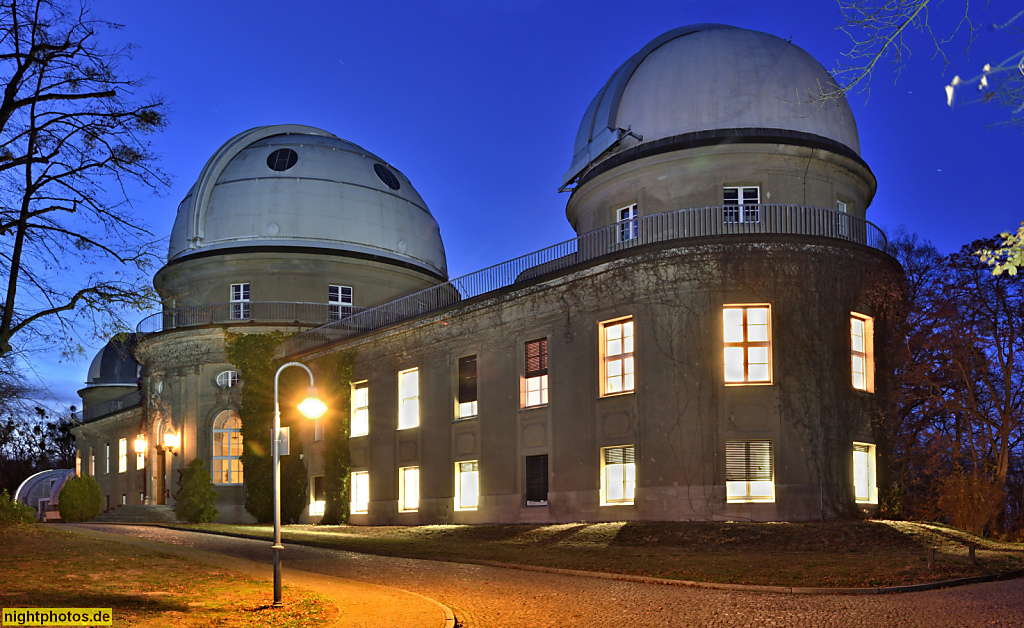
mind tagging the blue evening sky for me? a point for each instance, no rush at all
(478, 103)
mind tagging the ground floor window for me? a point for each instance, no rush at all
(537, 480)
(749, 475)
(227, 448)
(618, 475)
(360, 492)
(318, 498)
(864, 473)
(408, 489)
(467, 485)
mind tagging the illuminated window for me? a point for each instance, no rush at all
(360, 409)
(861, 352)
(108, 459)
(318, 498)
(339, 302)
(537, 480)
(467, 485)
(864, 473)
(360, 491)
(618, 475)
(227, 448)
(741, 204)
(536, 373)
(408, 399)
(617, 357)
(78, 463)
(92, 461)
(239, 300)
(746, 330)
(122, 455)
(140, 461)
(467, 387)
(749, 471)
(408, 489)
(228, 379)
(626, 219)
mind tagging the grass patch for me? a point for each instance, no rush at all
(818, 554)
(48, 568)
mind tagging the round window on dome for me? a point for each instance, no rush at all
(228, 379)
(388, 177)
(282, 159)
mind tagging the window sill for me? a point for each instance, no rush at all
(742, 384)
(407, 427)
(536, 504)
(537, 407)
(617, 394)
(351, 436)
(460, 419)
(629, 503)
(750, 501)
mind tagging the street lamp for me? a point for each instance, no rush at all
(313, 408)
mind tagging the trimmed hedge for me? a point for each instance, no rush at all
(80, 499)
(196, 498)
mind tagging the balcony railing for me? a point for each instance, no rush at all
(244, 312)
(123, 402)
(729, 220)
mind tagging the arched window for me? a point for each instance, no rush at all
(227, 448)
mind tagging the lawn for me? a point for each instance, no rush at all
(45, 568)
(819, 554)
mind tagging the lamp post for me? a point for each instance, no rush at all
(311, 407)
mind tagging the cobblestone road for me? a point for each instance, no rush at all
(490, 597)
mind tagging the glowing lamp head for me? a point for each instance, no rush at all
(312, 406)
(171, 440)
(140, 444)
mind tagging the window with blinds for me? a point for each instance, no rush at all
(865, 485)
(618, 475)
(536, 376)
(467, 387)
(467, 485)
(749, 471)
(537, 480)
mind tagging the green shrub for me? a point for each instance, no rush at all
(13, 512)
(80, 499)
(196, 497)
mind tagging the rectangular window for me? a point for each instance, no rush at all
(741, 204)
(140, 461)
(318, 498)
(864, 473)
(467, 485)
(537, 480)
(360, 492)
(239, 300)
(92, 462)
(842, 207)
(360, 409)
(746, 330)
(318, 429)
(617, 357)
(626, 219)
(122, 455)
(749, 475)
(618, 475)
(339, 302)
(108, 459)
(862, 356)
(78, 463)
(408, 399)
(467, 387)
(536, 373)
(408, 489)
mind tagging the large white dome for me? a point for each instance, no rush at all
(300, 187)
(710, 83)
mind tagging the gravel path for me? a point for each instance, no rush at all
(494, 597)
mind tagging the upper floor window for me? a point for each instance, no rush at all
(339, 302)
(627, 223)
(228, 379)
(865, 485)
(618, 475)
(360, 409)
(843, 208)
(122, 455)
(108, 459)
(746, 330)
(862, 362)
(617, 357)
(408, 399)
(227, 448)
(749, 471)
(536, 376)
(741, 203)
(239, 300)
(467, 387)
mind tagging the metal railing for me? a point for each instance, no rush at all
(681, 224)
(117, 404)
(245, 312)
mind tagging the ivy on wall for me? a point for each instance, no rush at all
(253, 356)
(335, 382)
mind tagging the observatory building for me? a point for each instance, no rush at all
(704, 349)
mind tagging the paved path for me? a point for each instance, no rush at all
(495, 597)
